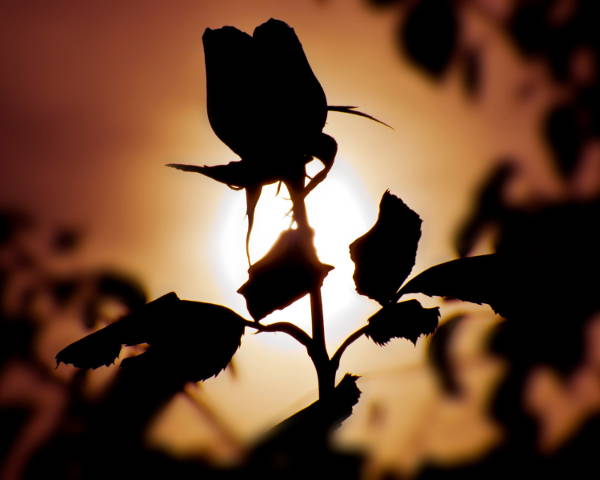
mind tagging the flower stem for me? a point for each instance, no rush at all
(326, 375)
(318, 353)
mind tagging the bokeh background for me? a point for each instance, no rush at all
(98, 96)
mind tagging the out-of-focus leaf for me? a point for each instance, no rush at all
(565, 136)
(439, 354)
(66, 240)
(489, 206)
(385, 255)
(191, 340)
(402, 320)
(529, 27)
(11, 222)
(125, 289)
(428, 35)
(112, 285)
(479, 279)
(471, 73)
(289, 271)
(384, 3)
(64, 289)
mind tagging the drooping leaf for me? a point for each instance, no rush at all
(103, 347)
(439, 354)
(428, 35)
(479, 279)
(98, 349)
(402, 320)
(285, 274)
(385, 255)
(191, 340)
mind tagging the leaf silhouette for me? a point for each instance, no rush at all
(439, 355)
(192, 340)
(489, 206)
(385, 255)
(285, 274)
(479, 279)
(428, 35)
(402, 320)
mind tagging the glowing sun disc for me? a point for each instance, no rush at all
(339, 211)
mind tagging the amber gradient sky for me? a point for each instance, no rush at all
(97, 96)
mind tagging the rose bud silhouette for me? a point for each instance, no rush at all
(266, 104)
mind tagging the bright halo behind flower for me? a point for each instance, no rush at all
(339, 211)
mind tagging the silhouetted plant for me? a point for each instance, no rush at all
(265, 103)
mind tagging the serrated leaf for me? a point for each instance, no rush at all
(191, 340)
(479, 279)
(385, 255)
(439, 355)
(428, 35)
(290, 270)
(103, 346)
(402, 320)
